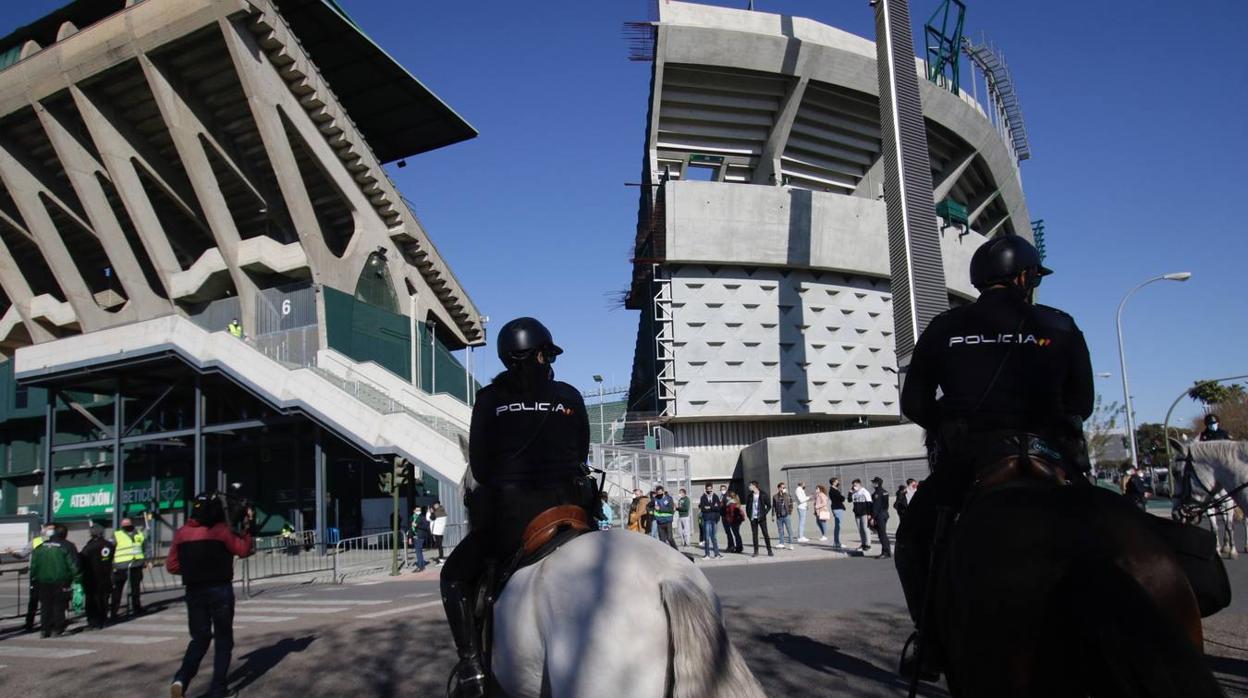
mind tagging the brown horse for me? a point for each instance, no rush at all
(1049, 590)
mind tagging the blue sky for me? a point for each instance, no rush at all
(1135, 112)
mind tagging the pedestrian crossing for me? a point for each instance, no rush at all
(169, 626)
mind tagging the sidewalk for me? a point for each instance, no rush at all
(814, 549)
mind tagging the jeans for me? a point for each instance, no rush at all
(836, 529)
(210, 615)
(823, 526)
(863, 533)
(756, 524)
(654, 528)
(665, 532)
(733, 531)
(418, 545)
(801, 522)
(682, 528)
(709, 537)
(783, 524)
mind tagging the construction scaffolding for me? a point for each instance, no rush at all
(628, 469)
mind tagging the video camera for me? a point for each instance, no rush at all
(210, 508)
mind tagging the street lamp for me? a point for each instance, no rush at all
(1122, 357)
(602, 422)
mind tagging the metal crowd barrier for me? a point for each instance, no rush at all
(14, 591)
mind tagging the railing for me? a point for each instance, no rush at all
(284, 556)
(14, 590)
(354, 557)
(377, 399)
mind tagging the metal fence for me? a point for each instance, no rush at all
(370, 554)
(299, 553)
(14, 590)
(627, 469)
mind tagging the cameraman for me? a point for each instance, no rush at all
(203, 553)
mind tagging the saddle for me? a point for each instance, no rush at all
(546, 533)
(1019, 460)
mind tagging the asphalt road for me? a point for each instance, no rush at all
(827, 627)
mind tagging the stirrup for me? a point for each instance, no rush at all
(929, 671)
(467, 679)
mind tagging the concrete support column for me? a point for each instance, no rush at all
(49, 430)
(318, 449)
(119, 457)
(197, 483)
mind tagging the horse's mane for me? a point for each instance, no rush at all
(1232, 454)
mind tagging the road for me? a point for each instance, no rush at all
(820, 627)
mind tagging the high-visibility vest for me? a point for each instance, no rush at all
(235, 329)
(129, 548)
(38, 541)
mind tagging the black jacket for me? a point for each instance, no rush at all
(879, 505)
(711, 506)
(836, 500)
(1045, 383)
(1219, 435)
(96, 561)
(764, 506)
(541, 437)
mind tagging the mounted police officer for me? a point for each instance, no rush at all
(1015, 378)
(528, 445)
(1213, 430)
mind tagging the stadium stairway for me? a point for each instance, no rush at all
(362, 403)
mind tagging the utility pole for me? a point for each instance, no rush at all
(602, 422)
(392, 482)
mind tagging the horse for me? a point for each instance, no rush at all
(1215, 481)
(614, 613)
(1053, 589)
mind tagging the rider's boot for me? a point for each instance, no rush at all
(468, 679)
(913, 561)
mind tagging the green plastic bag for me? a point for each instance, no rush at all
(78, 599)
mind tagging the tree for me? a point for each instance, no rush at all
(1101, 430)
(1232, 415)
(1211, 393)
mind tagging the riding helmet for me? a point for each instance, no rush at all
(523, 337)
(1004, 257)
(1211, 419)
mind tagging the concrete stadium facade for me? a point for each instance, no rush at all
(169, 165)
(761, 264)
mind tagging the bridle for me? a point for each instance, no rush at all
(1193, 509)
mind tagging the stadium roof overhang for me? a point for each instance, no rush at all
(395, 112)
(398, 116)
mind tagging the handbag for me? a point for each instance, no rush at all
(78, 599)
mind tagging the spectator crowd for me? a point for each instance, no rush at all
(673, 518)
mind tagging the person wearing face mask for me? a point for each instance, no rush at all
(528, 446)
(1213, 430)
(994, 378)
(128, 562)
(710, 505)
(420, 531)
(757, 506)
(53, 566)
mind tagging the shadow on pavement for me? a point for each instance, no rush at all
(257, 663)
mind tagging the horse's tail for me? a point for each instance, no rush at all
(1134, 650)
(702, 660)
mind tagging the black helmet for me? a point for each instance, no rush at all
(1002, 258)
(522, 337)
(1211, 419)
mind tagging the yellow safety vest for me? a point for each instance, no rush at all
(38, 541)
(235, 329)
(129, 548)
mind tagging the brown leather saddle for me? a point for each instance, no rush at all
(552, 526)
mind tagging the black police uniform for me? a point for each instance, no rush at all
(527, 450)
(1211, 435)
(1005, 368)
(96, 562)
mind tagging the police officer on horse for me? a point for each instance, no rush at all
(528, 446)
(1015, 378)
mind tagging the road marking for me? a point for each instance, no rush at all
(158, 627)
(263, 619)
(41, 652)
(365, 584)
(116, 639)
(315, 602)
(401, 609)
(301, 609)
(291, 596)
(416, 596)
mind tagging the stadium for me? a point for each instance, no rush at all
(765, 345)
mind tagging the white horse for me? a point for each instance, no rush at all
(1219, 467)
(615, 614)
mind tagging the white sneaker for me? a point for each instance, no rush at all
(803, 539)
(822, 538)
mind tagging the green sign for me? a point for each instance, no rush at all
(94, 500)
